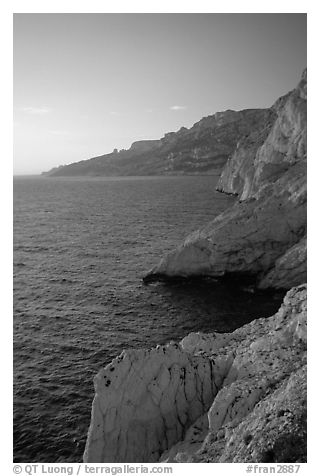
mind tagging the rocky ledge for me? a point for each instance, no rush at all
(263, 236)
(238, 397)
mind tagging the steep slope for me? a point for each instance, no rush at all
(265, 154)
(204, 147)
(258, 237)
(236, 397)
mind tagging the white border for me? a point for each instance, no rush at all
(81, 6)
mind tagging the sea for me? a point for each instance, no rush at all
(81, 248)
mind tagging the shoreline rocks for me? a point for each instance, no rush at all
(237, 397)
(207, 398)
(269, 173)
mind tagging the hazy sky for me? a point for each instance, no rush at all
(87, 83)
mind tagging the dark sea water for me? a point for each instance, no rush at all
(81, 247)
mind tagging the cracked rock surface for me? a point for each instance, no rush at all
(145, 399)
(234, 397)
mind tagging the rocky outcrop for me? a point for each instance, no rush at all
(290, 269)
(247, 240)
(204, 148)
(253, 239)
(266, 153)
(145, 399)
(236, 397)
(274, 432)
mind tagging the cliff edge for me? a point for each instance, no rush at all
(238, 397)
(263, 236)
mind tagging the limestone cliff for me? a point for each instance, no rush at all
(258, 237)
(204, 148)
(263, 155)
(236, 397)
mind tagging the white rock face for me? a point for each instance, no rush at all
(266, 153)
(287, 142)
(253, 238)
(268, 352)
(247, 238)
(175, 402)
(237, 175)
(146, 399)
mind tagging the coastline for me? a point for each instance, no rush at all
(238, 397)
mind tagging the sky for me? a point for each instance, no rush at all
(85, 84)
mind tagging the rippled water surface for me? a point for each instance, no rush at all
(81, 247)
